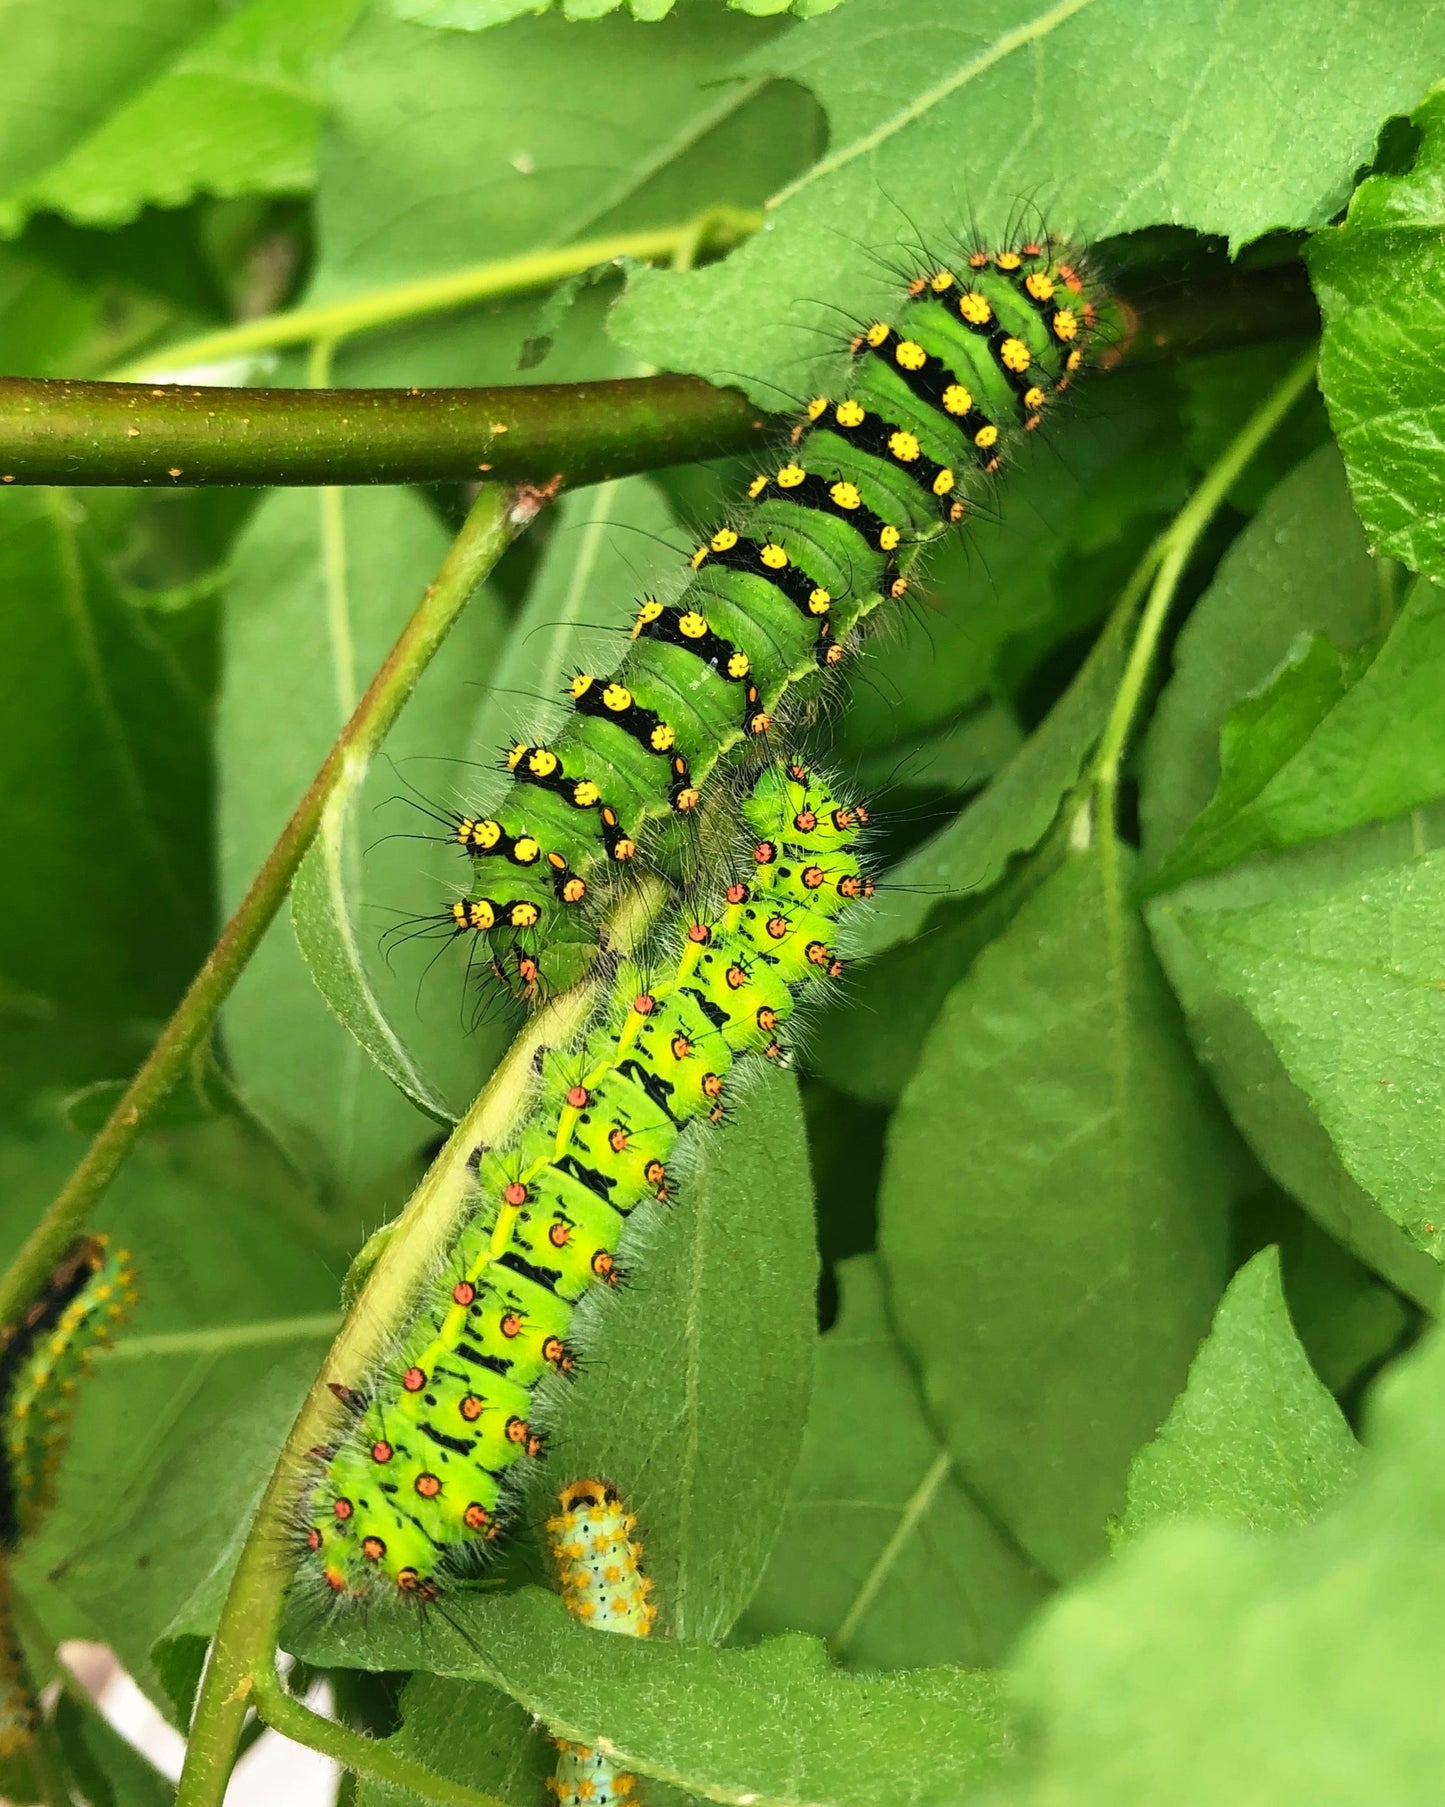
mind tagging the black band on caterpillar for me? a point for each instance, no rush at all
(972, 358)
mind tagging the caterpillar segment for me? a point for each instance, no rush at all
(599, 1567)
(968, 363)
(43, 1358)
(425, 1472)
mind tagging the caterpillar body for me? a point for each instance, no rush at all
(423, 1471)
(599, 1563)
(825, 535)
(42, 1359)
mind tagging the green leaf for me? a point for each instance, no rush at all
(469, 1733)
(107, 1769)
(1378, 278)
(66, 68)
(104, 778)
(1052, 1213)
(168, 1448)
(1211, 1663)
(321, 584)
(1323, 749)
(694, 1388)
(44, 315)
(882, 1552)
(921, 101)
(1013, 814)
(773, 1726)
(1261, 734)
(534, 134)
(1348, 1322)
(236, 113)
(1268, 1106)
(1344, 981)
(1299, 568)
(1254, 1439)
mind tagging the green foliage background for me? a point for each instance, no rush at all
(1050, 1509)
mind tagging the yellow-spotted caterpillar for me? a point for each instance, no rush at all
(425, 1466)
(599, 1564)
(971, 360)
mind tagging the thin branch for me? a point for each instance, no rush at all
(496, 518)
(355, 1751)
(54, 430)
(1170, 555)
(710, 233)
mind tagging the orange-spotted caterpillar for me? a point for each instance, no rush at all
(424, 1468)
(599, 1564)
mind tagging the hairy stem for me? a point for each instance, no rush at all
(496, 517)
(712, 232)
(242, 1654)
(1168, 558)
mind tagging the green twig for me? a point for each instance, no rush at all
(358, 1753)
(497, 516)
(54, 430)
(1168, 558)
(713, 231)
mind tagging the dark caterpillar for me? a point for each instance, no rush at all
(422, 1472)
(826, 535)
(41, 1360)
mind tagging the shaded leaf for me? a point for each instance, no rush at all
(1254, 1438)
(1300, 567)
(1052, 1213)
(104, 749)
(1323, 750)
(470, 1733)
(1015, 811)
(882, 1552)
(1268, 1106)
(746, 1728)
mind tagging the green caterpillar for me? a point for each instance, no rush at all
(423, 1472)
(871, 478)
(599, 1563)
